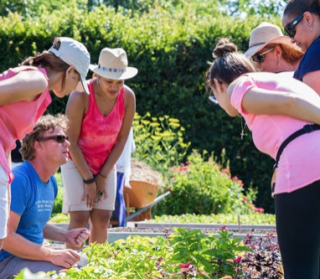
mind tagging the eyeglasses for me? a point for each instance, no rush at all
(290, 27)
(259, 57)
(57, 138)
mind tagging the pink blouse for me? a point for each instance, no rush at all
(18, 119)
(98, 132)
(299, 163)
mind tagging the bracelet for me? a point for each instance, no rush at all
(89, 181)
(105, 177)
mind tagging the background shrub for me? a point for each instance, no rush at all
(201, 187)
(170, 43)
(58, 202)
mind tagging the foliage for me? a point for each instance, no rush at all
(253, 218)
(26, 274)
(30, 8)
(58, 202)
(159, 141)
(60, 218)
(186, 254)
(247, 219)
(202, 187)
(265, 260)
(267, 8)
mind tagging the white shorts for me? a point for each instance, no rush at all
(74, 187)
(4, 202)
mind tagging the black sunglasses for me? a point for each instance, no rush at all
(57, 138)
(290, 27)
(259, 57)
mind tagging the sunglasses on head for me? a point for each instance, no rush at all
(57, 138)
(290, 27)
(259, 57)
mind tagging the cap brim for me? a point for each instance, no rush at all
(84, 85)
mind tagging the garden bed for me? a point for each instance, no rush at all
(154, 230)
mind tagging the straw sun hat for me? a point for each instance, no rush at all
(113, 64)
(264, 34)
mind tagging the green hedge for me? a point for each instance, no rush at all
(170, 47)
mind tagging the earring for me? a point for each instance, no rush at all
(98, 81)
(279, 62)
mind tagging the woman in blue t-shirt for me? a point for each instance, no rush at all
(301, 22)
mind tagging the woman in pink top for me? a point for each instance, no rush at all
(25, 96)
(99, 126)
(275, 108)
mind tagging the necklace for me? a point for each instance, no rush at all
(242, 128)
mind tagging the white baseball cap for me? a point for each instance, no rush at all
(74, 54)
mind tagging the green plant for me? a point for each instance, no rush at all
(60, 218)
(202, 187)
(185, 253)
(159, 141)
(232, 218)
(58, 202)
(215, 255)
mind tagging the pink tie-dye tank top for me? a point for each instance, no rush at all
(18, 119)
(98, 132)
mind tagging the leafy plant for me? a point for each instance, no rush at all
(60, 218)
(159, 141)
(253, 218)
(58, 202)
(202, 187)
(184, 254)
(264, 261)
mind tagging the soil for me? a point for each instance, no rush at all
(141, 171)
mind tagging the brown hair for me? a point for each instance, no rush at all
(45, 123)
(228, 65)
(290, 53)
(296, 7)
(47, 59)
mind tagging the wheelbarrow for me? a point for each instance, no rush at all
(140, 199)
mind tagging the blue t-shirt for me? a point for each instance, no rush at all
(33, 200)
(310, 61)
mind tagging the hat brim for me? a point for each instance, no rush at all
(129, 73)
(278, 40)
(84, 85)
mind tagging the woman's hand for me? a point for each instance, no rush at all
(89, 195)
(101, 192)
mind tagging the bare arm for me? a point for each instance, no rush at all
(75, 111)
(25, 249)
(75, 237)
(24, 86)
(312, 79)
(262, 101)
